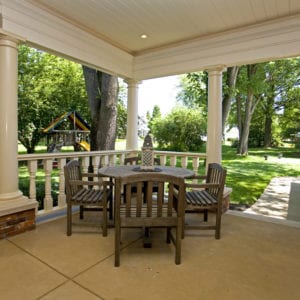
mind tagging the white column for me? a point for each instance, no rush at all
(214, 116)
(132, 114)
(10, 196)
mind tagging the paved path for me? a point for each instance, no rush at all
(275, 199)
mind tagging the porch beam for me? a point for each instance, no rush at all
(276, 39)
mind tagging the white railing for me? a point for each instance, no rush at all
(49, 168)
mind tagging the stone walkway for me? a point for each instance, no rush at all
(275, 199)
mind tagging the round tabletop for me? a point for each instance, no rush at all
(123, 171)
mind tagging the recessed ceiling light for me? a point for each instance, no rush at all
(144, 36)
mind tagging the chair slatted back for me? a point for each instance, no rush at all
(215, 174)
(72, 174)
(162, 203)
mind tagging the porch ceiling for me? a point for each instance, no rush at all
(166, 22)
(183, 36)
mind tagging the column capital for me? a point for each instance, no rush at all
(132, 82)
(9, 37)
(217, 69)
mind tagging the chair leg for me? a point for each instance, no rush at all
(117, 244)
(69, 219)
(205, 215)
(168, 235)
(104, 221)
(110, 207)
(183, 226)
(218, 224)
(81, 212)
(178, 243)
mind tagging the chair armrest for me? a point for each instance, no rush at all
(91, 183)
(107, 183)
(83, 182)
(89, 175)
(198, 177)
(201, 185)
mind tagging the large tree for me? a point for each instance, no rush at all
(48, 86)
(290, 118)
(281, 77)
(251, 85)
(194, 91)
(229, 93)
(102, 91)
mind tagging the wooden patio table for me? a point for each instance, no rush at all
(123, 171)
(119, 172)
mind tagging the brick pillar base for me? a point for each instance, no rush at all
(16, 223)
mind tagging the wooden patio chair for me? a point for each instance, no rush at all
(87, 194)
(157, 211)
(207, 196)
(136, 160)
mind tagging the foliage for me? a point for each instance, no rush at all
(156, 114)
(48, 87)
(122, 111)
(193, 92)
(271, 86)
(290, 119)
(256, 101)
(181, 130)
(121, 120)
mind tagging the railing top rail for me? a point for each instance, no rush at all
(190, 154)
(22, 157)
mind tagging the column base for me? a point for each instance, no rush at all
(17, 216)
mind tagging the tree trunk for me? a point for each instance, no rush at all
(102, 91)
(239, 117)
(228, 97)
(268, 121)
(268, 131)
(250, 106)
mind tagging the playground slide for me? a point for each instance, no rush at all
(85, 145)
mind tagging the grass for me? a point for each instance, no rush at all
(248, 176)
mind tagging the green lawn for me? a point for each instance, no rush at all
(249, 176)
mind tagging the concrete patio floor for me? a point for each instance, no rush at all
(252, 260)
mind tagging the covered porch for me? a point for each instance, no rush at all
(138, 41)
(253, 260)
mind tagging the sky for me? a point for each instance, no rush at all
(159, 91)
